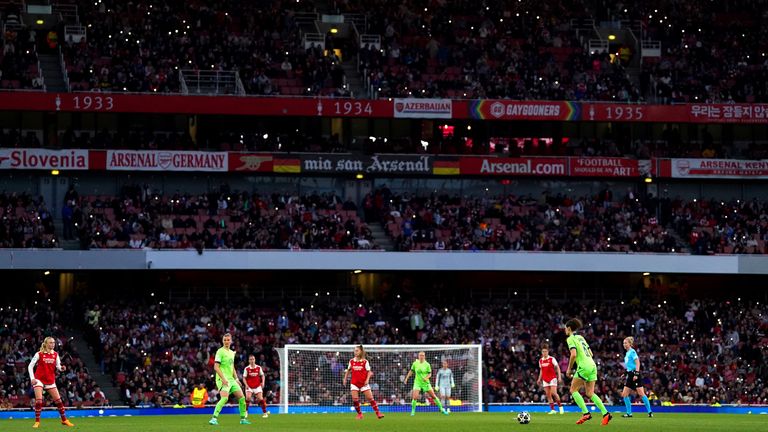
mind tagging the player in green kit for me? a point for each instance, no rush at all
(226, 380)
(422, 371)
(586, 372)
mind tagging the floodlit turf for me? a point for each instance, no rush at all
(427, 422)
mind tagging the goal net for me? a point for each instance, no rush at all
(311, 377)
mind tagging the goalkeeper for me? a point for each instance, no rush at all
(444, 383)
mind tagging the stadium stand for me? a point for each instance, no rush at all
(524, 223)
(220, 221)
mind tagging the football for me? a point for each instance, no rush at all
(524, 417)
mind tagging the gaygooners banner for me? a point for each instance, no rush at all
(148, 160)
(423, 108)
(524, 110)
(39, 159)
(376, 164)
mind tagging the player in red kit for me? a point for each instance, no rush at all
(253, 375)
(549, 377)
(360, 369)
(42, 372)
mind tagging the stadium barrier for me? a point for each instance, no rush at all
(321, 409)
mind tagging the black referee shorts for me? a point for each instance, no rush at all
(631, 383)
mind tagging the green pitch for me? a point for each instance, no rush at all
(422, 422)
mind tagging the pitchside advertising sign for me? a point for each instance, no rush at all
(40, 159)
(524, 110)
(718, 168)
(494, 166)
(423, 108)
(376, 164)
(484, 109)
(379, 164)
(147, 160)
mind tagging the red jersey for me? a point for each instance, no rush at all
(253, 376)
(359, 370)
(43, 367)
(547, 366)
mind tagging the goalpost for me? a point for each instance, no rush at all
(310, 377)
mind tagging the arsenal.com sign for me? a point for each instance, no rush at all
(423, 108)
(127, 160)
(39, 159)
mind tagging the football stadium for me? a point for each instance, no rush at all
(379, 215)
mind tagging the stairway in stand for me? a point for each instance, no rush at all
(381, 238)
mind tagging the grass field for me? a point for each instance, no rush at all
(427, 422)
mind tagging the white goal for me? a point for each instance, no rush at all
(311, 377)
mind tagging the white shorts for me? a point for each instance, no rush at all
(445, 391)
(256, 390)
(40, 384)
(362, 389)
(552, 383)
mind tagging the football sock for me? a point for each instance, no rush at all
(413, 405)
(356, 403)
(580, 402)
(60, 406)
(219, 405)
(38, 409)
(647, 403)
(439, 404)
(241, 403)
(599, 403)
(375, 406)
(628, 404)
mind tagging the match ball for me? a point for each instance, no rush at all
(524, 417)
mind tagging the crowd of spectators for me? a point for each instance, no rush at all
(722, 227)
(521, 223)
(18, 57)
(22, 330)
(711, 51)
(25, 222)
(140, 218)
(142, 46)
(697, 352)
(463, 49)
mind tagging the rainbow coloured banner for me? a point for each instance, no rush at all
(524, 110)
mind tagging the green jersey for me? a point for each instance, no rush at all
(421, 371)
(226, 360)
(583, 354)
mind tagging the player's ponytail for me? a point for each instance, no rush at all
(45, 342)
(362, 351)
